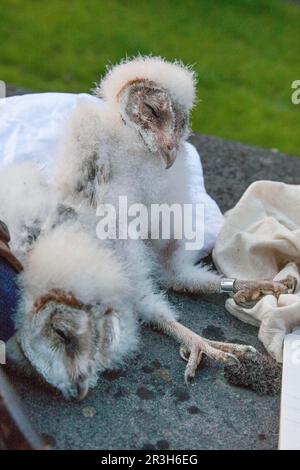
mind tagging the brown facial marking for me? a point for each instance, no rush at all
(129, 83)
(60, 296)
(181, 119)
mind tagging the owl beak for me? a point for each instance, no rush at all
(169, 159)
(168, 146)
(168, 153)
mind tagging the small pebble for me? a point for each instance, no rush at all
(163, 374)
(89, 411)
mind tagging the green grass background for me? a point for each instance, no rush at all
(246, 53)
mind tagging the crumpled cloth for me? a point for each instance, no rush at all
(260, 239)
(32, 126)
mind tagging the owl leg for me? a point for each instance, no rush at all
(198, 280)
(156, 311)
(194, 347)
(183, 274)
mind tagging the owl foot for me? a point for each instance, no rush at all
(226, 353)
(248, 293)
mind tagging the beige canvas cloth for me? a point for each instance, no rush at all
(260, 239)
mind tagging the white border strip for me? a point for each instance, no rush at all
(289, 436)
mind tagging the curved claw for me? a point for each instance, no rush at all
(250, 352)
(291, 283)
(194, 355)
(194, 361)
(184, 352)
(231, 360)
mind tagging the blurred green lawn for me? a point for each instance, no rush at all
(246, 53)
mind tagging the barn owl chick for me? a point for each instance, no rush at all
(75, 318)
(81, 302)
(154, 97)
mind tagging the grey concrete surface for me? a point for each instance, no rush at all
(147, 405)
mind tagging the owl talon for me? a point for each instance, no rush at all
(226, 353)
(248, 293)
